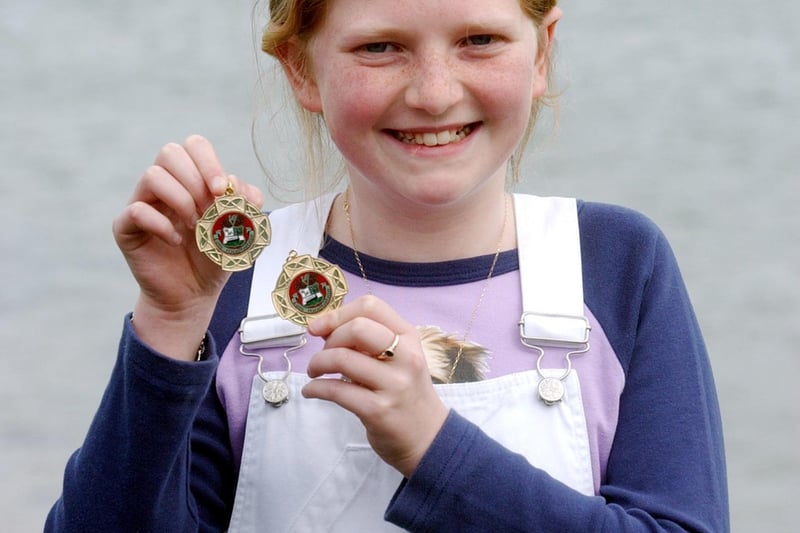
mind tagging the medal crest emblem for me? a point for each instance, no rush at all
(232, 232)
(307, 287)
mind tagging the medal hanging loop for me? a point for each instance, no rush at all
(275, 391)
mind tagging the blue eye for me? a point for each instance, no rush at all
(376, 48)
(480, 40)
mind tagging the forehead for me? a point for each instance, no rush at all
(420, 15)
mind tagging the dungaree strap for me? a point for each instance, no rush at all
(550, 271)
(298, 227)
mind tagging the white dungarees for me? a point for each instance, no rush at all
(307, 465)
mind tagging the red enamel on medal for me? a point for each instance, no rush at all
(232, 232)
(306, 287)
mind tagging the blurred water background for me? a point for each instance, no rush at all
(686, 111)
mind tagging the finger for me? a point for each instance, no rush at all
(205, 159)
(363, 335)
(362, 369)
(177, 161)
(369, 307)
(351, 396)
(140, 218)
(159, 186)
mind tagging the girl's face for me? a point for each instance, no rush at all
(426, 99)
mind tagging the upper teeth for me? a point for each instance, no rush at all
(434, 139)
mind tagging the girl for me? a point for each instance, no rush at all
(500, 362)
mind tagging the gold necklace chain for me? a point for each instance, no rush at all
(475, 309)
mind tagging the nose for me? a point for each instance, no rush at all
(433, 85)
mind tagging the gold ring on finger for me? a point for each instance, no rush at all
(388, 353)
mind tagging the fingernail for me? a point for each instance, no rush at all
(219, 184)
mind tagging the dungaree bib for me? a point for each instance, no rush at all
(307, 465)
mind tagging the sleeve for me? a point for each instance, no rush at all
(132, 471)
(666, 469)
(157, 456)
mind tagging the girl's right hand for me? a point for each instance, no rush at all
(179, 285)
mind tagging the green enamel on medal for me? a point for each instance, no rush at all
(307, 287)
(232, 232)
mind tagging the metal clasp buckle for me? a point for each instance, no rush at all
(269, 331)
(567, 331)
(561, 331)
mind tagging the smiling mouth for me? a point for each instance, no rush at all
(429, 138)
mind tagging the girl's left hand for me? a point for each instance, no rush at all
(394, 398)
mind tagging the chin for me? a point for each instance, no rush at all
(445, 193)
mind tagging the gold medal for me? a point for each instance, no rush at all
(307, 286)
(232, 232)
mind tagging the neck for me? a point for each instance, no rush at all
(424, 234)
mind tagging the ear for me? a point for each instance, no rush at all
(543, 54)
(293, 58)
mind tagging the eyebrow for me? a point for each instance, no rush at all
(366, 31)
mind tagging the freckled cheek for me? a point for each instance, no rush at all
(506, 94)
(349, 119)
(352, 106)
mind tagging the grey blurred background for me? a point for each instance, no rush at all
(685, 111)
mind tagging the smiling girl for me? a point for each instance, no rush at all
(499, 362)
